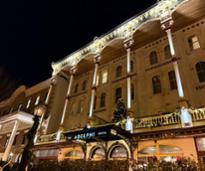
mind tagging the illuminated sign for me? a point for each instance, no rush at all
(106, 132)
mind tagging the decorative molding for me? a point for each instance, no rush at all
(161, 11)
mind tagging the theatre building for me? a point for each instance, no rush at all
(154, 64)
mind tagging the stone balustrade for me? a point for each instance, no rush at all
(156, 121)
(170, 119)
(198, 114)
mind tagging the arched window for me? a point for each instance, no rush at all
(84, 85)
(98, 154)
(119, 153)
(132, 66)
(200, 69)
(156, 83)
(102, 100)
(76, 88)
(153, 57)
(167, 52)
(118, 72)
(132, 92)
(118, 94)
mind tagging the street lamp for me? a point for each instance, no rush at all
(27, 152)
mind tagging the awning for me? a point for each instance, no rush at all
(99, 133)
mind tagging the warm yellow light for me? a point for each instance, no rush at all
(39, 110)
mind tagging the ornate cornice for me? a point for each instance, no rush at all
(161, 11)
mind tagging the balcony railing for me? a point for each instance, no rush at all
(156, 121)
(168, 119)
(171, 119)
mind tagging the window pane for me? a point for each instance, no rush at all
(153, 58)
(119, 152)
(98, 154)
(193, 42)
(118, 94)
(167, 52)
(102, 100)
(172, 80)
(118, 72)
(156, 83)
(104, 77)
(200, 69)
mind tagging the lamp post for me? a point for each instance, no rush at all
(27, 152)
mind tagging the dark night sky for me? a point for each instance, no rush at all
(35, 33)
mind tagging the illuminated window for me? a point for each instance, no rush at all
(119, 153)
(118, 94)
(200, 69)
(167, 52)
(75, 154)
(84, 85)
(172, 80)
(98, 154)
(97, 80)
(118, 72)
(28, 103)
(193, 43)
(102, 100)
(76, 88)
(156, 83)
(153, 57)
(37, 100)
(104, 77)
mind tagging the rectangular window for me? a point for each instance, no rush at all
(104, 77)
(156, 83)
(172, 80)
(97, 80)
(194, 43)
(118, 94)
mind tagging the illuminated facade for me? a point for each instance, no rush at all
(155, 63)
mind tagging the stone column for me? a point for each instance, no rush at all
(167, 27)
(46, 104)
(94, 84)
(128, 44)
(72, 72)
(10, 142)
(186, 120)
